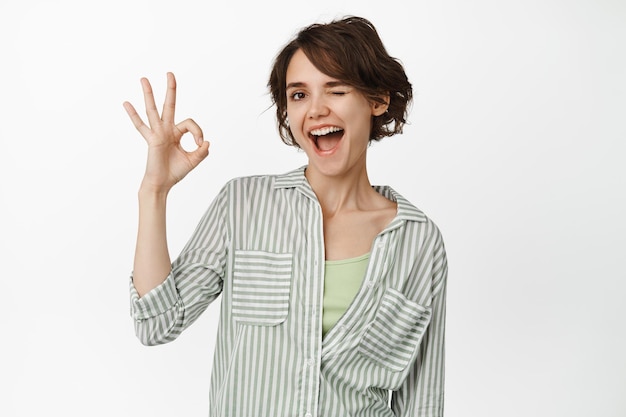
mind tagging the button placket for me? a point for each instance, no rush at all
(312, 306)
(379, 248)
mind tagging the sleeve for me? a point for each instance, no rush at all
(196, 279)
(422, 393)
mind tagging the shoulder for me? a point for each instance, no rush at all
(418, 224)
(258, 187)
(266, 182)
(251, 181)
(407, 211)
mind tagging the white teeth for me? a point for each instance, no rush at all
(325, 130)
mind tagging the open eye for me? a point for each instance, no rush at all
(298, 95)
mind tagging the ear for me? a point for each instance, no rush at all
(379, 108)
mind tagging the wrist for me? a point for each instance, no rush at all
(152, 192)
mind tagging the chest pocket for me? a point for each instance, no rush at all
(261, 287)
(393, 337)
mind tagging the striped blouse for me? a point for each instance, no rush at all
(261, 246)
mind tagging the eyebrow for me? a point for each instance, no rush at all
(329, 84)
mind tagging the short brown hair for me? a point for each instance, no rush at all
(351, 51)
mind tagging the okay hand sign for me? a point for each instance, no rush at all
(167, 162)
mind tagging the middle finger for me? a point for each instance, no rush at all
(169, 105)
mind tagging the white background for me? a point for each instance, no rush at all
(516, 149)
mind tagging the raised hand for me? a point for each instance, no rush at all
(167, 162)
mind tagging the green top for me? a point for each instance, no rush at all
(342, 280)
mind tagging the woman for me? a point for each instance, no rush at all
(333, 291)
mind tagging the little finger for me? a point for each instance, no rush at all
(136, 119)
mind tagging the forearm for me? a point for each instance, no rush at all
(152, 260)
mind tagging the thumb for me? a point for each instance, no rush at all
(200, 153)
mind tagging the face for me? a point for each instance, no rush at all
(330, 121)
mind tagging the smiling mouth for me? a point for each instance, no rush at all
(326, 138)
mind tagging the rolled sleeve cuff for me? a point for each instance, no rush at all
(154, 303)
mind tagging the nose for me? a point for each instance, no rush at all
(317, 107)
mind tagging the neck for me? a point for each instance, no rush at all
(349, 191)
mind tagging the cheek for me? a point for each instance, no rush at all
(364, 122)
(293, 121)
(291, 116)
(359, 112)
(295, 127)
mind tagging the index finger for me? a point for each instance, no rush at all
(169, 105)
